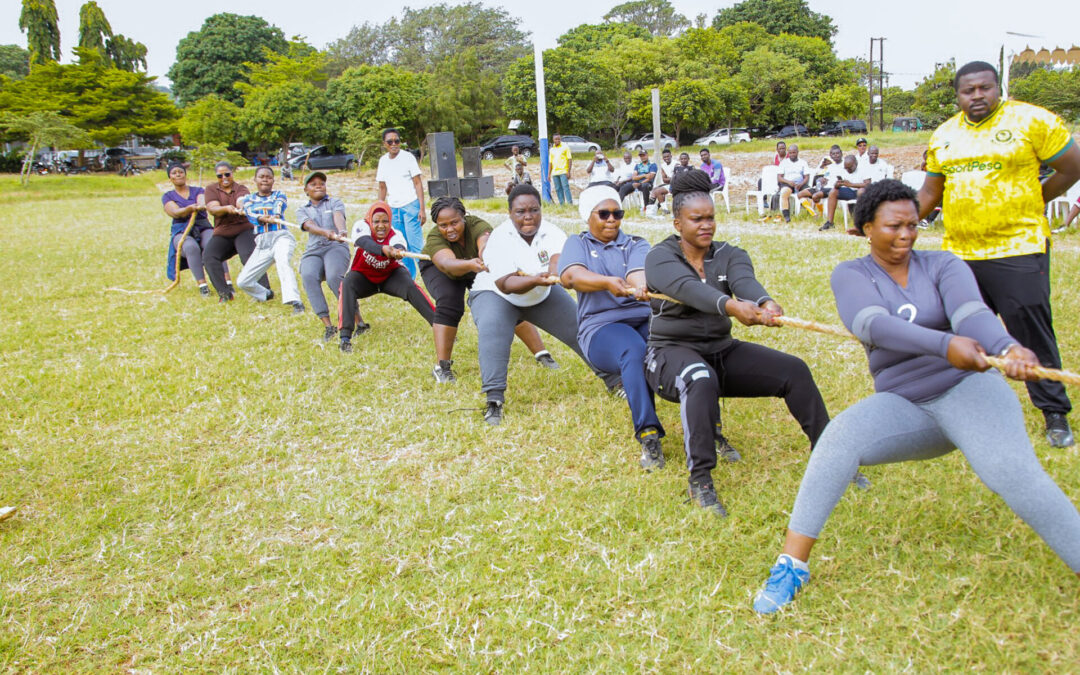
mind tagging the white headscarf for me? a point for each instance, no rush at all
(594, 195)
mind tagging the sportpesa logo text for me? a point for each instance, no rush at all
(973, 166)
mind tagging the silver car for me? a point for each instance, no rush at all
(721, 137)
(579, 144)
(646, 143)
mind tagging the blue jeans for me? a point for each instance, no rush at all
(406, 220)
(562, 188)
(620, 348)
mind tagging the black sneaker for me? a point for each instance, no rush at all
(618, 391)
(652, 454)
(493, 413)
(827, 226)
(329, 334)
(443, 372)
(228, 297)
(703, 496)
(346, 346)
(269, 295)
(297, 307)
(1058, 432)
(204, 291)
(361, 328)
(787, 215)
(725, 451)
(546, 360)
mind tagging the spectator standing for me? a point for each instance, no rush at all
(861, 152)
(794, 176)
(400, 187)
(562, 163)
(983, 165)
(233, 234)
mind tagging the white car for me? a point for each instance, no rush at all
(721, 137)
(646, 143)
(579, 144)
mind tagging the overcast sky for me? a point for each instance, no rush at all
(919, 33)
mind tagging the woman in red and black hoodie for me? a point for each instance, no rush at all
(375, 269)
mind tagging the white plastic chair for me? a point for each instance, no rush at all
(913, 179)
(633, 201)
(1059, 206)
(725, 191)
(769, 186)
(844, 204)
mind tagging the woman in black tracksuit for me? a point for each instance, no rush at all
(692, 358)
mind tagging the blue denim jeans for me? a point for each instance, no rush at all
(406, 220)
(562, 188)
(620, 348)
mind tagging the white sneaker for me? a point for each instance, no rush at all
(650, 210)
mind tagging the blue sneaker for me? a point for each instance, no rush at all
(784, 582)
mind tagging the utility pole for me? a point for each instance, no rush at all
(881, 84)
(541, 121)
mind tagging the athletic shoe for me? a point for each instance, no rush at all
(923, 225)
(297, 307)
(204, 291)
(703, 496)
(228, 297)
(617, 390)
(787, 215)
(785, 580)
(329, 334)
(725, 451)
(493, 413)
(269, 295)
(442, 372)
(361, 328)
(827, 226)
(1058, 432)
(345, 347)
(545, 359)
(860, 481)
(652, 455)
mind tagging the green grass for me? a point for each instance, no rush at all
(209, 487)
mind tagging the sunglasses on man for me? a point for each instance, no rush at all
(227, 174)
(393, 141)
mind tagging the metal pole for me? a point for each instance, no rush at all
(656, 123)
(541, 122)
(881, 83)
(870, 76)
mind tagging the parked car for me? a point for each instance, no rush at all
(320, 157)
(844, 128)
(907, 124)
(500, 146)
(579, 144)
(722, 137)
(790, 130)
(646, 143)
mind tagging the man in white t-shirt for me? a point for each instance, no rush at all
(875, 168)
(794, 176)
(624, 171)
(665, 172)
(850, 184)
(600, 170)
(400, 187)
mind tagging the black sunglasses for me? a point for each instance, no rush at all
(224, 175)
(608, 213)
(393, 141)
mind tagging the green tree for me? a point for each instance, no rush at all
(898, 102)
(1055, 90)
(732, 101)
(42, 129)
(592, 36)
(684, 104)
(822, 66)
(108, 103)
(779, 16)
(299, 63)
(845, 102)
(705, 53)
(380, 97)
(935, 99)
(745, 37)
(94, 28)
(468, 108)
(579, 91)
(363, 142)
(126, 54)
(656, 16)
(366, 44)
(779, 92)
(206, 155)
(287, 113)
(14, 62)
(42, 27)
(210, 120)
(210, 60)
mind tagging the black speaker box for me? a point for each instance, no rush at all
(441, 155)
(478, 188)
(470, 163)
(447, 187)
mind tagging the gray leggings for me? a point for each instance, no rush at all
(329, 264)
(495, 320)
(192, 252)
(981, 416)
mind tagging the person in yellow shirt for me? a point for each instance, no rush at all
(983, 165)
(561, 162)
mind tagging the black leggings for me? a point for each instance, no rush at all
(399, 284)
(740, 370)
(221, 249)
(449, 294)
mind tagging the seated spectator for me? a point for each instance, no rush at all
(641, 180)
(875, 168)
(601, 171)
(625, 171)
(668, 172)
(849, 185)
(794, 177)
(180, 203)
(375, 269)
(521, 177)
(273, 242)
(514, 160)
(824, 178)
(713, 168)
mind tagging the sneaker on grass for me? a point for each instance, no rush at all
(297, 307)
(545, 359)
(726, 451)
(786, 577)
(346, 347)
(827, 226)
(861, 481)
(1058, 432)
(329, 334)
(493, 413)
(443, 372)
(204, 291)
(652, 454)
(703, 496)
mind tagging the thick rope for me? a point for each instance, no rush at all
(179, 254)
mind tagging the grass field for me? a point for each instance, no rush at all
(210, 487)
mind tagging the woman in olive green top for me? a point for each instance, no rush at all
(456, 246)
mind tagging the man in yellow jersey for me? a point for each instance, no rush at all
(561, 162)
(985, 162)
